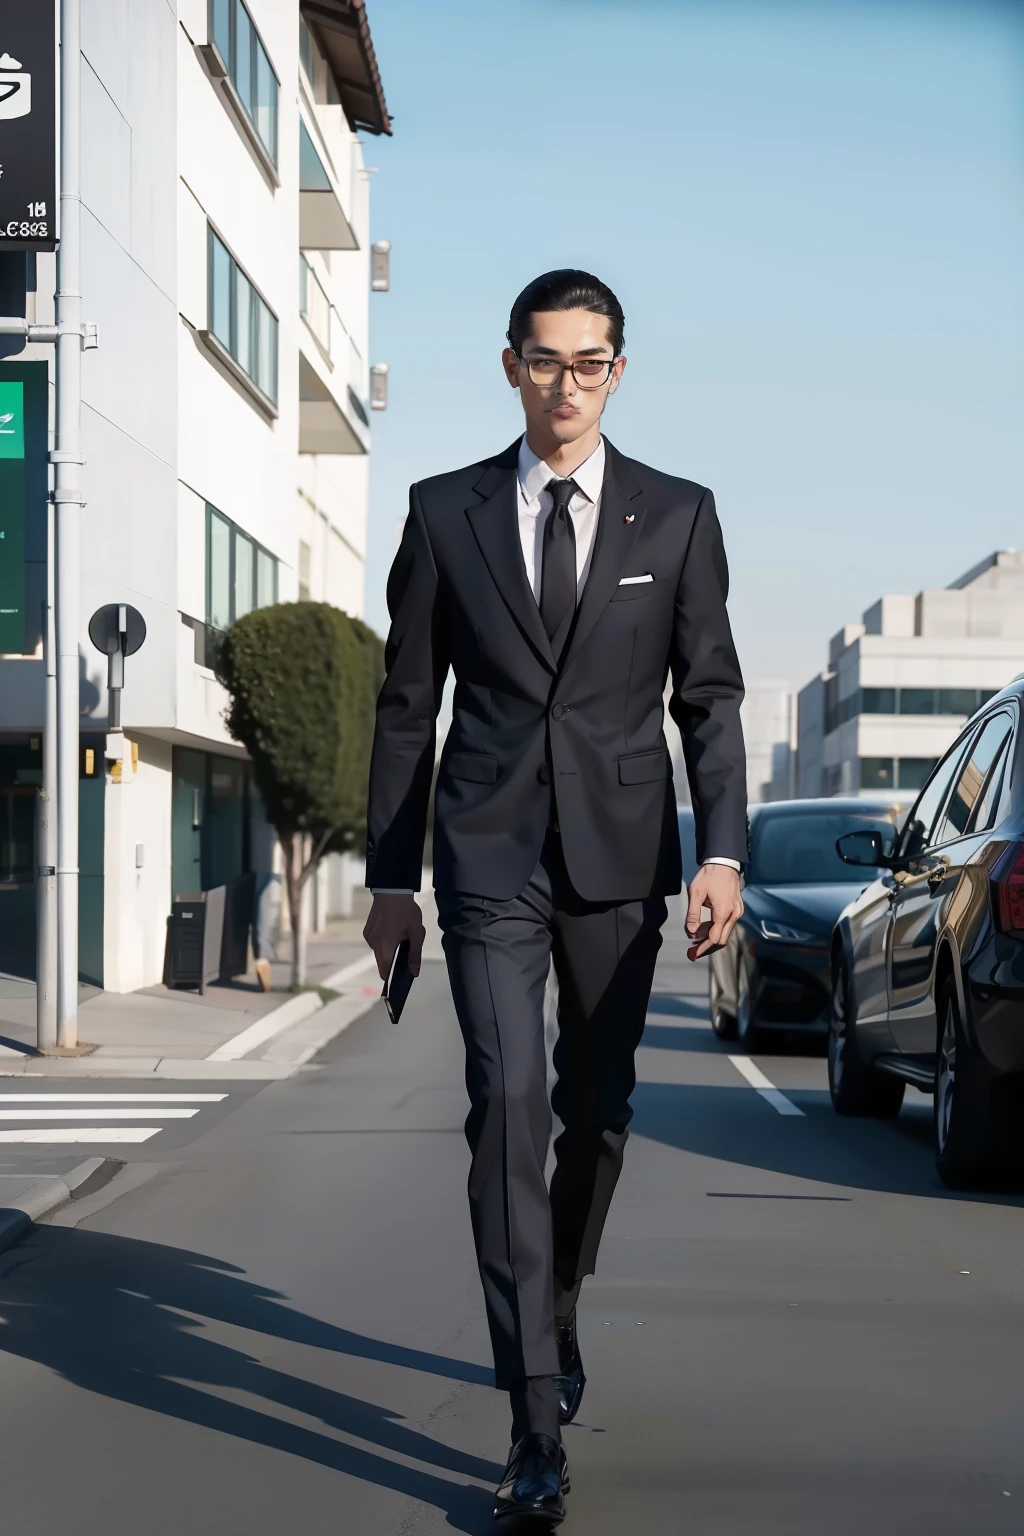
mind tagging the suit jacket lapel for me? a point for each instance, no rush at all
(613, 545)
(495, 524)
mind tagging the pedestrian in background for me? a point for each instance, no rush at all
(561, 583)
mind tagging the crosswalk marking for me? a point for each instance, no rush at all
(112, 1098)
(99, 1109)
(78, 1133)
(108, 1112)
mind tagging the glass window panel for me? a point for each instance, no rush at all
(218, 572)
(973, 778)
(220, 291)
(312, 175)
(306, 49)
(244, 41)
(912, 772)
(987, 815)
(267, 353)
(266, 102)
(917, 701)
(266, 579)
(958, 701)
(876, 773)
(222, 29)
(799, 847)
(879, 701)
(244, 320)
(915, 835)
(245, 574)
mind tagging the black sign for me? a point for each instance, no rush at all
(28, 125)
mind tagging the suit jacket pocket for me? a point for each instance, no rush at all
(477, 767)
(632, 591)
(644, 767)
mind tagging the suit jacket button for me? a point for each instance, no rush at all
(544, 774)
(559, 711)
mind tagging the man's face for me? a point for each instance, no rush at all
(560, 407)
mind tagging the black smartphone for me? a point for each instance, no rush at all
(399, 983)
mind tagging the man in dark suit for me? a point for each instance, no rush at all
(563, 584)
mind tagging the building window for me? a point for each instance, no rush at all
(306, 51)
(304, 563)
(240, 320)
(878, 701)
(877, 773)
(240, 574)
(912, 772)
(248, 67)
(314, 305)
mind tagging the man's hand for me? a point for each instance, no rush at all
(392, 920)
(718, 887)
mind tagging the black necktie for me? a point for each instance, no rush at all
(558, 566)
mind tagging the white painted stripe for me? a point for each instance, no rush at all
(65, 1133)
(764, 1085)
(107, 1112)
(112, 1098)
(289, 1013)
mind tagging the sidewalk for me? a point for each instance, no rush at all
(234, 1030)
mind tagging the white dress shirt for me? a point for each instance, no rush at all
(535, 508)
(535, 475)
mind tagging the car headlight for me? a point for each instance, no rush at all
(783, 934)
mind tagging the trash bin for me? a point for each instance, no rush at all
(196, 940)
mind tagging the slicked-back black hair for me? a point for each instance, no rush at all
(566, 288)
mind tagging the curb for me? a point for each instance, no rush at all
(294, 1011)
(46, 1194)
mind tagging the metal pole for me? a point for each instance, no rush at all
(67, 458)
(46, 842)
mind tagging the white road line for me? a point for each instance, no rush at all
(292, 1012)
(64, 1133)
(108, 1112)
(112, 1098)
(764, 1085)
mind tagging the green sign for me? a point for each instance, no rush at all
(12, 420)
(12, 516)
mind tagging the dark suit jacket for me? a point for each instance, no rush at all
(586, 727)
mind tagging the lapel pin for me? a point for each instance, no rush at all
(630, 516)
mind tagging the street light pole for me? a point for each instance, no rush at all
(46, 844)
(68, 503)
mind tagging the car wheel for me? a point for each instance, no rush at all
(748, 1033)
(966, 1117)
(722, 1022)
(855, 1088)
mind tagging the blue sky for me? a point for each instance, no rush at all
(813, 214)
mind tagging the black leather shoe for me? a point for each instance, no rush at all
(536, 1481)
(570, 1382)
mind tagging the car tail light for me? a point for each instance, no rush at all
(1008, 890)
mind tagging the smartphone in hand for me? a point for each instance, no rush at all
(399, 983)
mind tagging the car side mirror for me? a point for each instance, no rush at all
(867, 849)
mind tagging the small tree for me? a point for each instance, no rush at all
(303, 680)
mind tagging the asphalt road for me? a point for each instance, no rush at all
(271, 1320)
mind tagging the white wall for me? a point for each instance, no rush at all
(137, 901)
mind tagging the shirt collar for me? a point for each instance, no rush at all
(535, 474)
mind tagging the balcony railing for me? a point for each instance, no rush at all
(314, 306)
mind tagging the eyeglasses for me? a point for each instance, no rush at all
(589, 372)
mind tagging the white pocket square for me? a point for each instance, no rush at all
(629, 581)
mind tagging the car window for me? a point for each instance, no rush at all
(930, 802)
(972, 779)
(992, 805)
(799, 847)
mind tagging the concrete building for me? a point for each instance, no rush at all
(226, 423)
(899, 685)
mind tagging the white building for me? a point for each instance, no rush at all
(226, 422)
(901, 683)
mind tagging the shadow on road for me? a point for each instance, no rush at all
(735, 1126)
(127, 1320)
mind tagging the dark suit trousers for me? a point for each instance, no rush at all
(498, 955)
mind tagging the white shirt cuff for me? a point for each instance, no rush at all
(729, 863)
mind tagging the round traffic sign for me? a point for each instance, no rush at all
(105, 628)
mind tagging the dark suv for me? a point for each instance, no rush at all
(928, 963)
